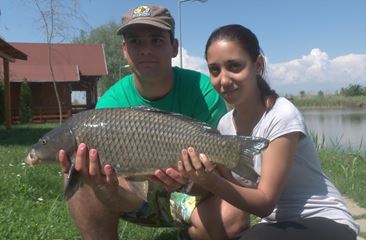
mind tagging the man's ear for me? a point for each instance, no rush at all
(124, 49)
(259, 64)
(175, 45)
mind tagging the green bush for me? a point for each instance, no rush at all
(2, 104)
(354, 90)
(25, 103)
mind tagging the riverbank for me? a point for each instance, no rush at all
(329, 102)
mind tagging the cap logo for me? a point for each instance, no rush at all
(142, 11)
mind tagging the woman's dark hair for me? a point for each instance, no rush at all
(250, 44)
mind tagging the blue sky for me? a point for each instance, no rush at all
(309, 45)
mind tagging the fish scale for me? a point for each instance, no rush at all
(137, 141)
(146, 128)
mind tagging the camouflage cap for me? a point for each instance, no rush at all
(157, 16)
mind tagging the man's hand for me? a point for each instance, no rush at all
(88, 165)
(109, 189)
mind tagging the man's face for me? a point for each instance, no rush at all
(148, 50)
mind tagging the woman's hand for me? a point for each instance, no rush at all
(197, 167)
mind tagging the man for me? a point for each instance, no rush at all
(149, 46)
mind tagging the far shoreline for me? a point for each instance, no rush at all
(328, 102)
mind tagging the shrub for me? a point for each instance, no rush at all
(25, 103)
(2, 103)
(354, 90)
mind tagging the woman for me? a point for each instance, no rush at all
(294, 198)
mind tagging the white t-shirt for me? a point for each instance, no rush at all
(308, 192)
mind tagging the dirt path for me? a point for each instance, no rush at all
(359, 214)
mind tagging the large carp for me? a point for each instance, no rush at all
(138, 140)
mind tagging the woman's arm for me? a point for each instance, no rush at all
(276, 165)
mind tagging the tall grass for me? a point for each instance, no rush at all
(345, 166)
(32, 206)
(347, 170)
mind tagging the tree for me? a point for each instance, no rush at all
(302, 93)
(107, 35)
(353, 90)
(57, 17)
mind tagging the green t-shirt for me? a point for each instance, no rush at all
(192, 95)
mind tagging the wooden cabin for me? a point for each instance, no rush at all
(76, 68)
(8, 53)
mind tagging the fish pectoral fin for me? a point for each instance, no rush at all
(248, 177)
(141, 188)
(73, 183)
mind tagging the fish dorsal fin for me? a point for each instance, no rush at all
(147, 109)
(204, 125)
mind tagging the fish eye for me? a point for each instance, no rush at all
(43, 141)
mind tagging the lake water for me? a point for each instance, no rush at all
(339, 127)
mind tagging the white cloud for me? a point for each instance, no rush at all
(310, 73)
(191, 62)
(317, 71)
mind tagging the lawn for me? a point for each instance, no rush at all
(32, 206)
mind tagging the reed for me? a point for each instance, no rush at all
(329, 101)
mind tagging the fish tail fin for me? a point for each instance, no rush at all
(73, 183)
(249, 147)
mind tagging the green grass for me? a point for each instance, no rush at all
(31, 200)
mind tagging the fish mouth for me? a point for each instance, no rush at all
(32, 159)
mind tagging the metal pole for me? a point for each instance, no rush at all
(180, 33)
(180, 27)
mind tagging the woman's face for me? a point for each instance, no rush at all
(232, 72)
